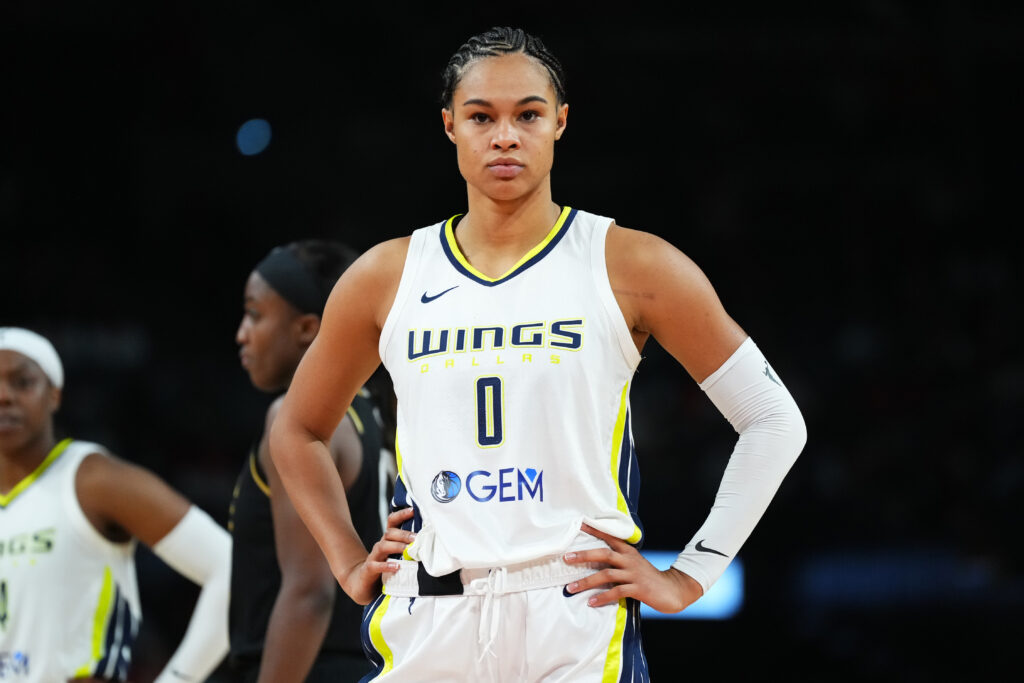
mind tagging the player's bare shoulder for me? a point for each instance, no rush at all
(99, 480)
(370, 284)
(644, 269)
(643, 255)
(122, 499)
(387, 256)
(263, 450)
(662, 292)
(98, 475)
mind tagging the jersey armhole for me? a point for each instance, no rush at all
(412, 263)
(599, 267)
(80, 524)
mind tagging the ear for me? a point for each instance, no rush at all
(308, 325)
(448, 116)
(55, 398)
(563, 118)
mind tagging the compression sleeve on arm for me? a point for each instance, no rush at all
(199, 549)
(748, 392)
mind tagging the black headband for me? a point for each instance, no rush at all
(290, 278)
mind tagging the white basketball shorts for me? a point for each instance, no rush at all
(512, 624)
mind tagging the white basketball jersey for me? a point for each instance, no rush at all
(69, 601)
(513, 399)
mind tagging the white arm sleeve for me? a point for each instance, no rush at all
(199, 549)
(772, 433)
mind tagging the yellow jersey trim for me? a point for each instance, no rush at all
(613, 660)
(401, 474)
(264, 486)
(377, 637)
(617, 436)
(360, 427)
(449, 234)
(54, 453)
(100, 620)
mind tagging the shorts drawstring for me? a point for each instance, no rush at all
(493, 587)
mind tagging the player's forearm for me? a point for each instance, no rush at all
(295, 634)
(315, 489)
(771, 435)
(199, 549)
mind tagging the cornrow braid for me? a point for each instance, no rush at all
(500, 41)
(324, 260)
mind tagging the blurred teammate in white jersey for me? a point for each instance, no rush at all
(70, 517)
(512, 333)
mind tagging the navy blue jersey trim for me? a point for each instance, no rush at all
(536, 258)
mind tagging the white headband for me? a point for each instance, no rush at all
(36, 348)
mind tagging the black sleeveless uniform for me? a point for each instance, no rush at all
(256, 577)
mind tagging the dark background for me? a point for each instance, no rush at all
(845, 173)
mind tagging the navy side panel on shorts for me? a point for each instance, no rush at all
(634, 662)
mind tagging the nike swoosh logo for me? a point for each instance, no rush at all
(427, 299)
(704, 549)
(178, 674)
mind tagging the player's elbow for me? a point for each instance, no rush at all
(286, 437)
(799, 430)
(795, 437)
(277, 439)
(314, 597)
(786, 423)
(778, 432)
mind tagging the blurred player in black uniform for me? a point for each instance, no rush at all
(290, 621)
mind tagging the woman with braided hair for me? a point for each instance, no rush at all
(512, 332)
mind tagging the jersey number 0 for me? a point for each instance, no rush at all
(3, 604)
(490, 415)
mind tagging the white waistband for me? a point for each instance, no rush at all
(543, 573)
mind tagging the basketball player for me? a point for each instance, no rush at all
(512, 333)
(290, 621)
(71, 514)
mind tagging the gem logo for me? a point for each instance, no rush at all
(446, 486)
(14, 664)
(512, 484)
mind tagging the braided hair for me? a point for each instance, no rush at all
(326, 260)
(500, 41)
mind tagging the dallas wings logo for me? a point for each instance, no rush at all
(566, 335)
(445, 487)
